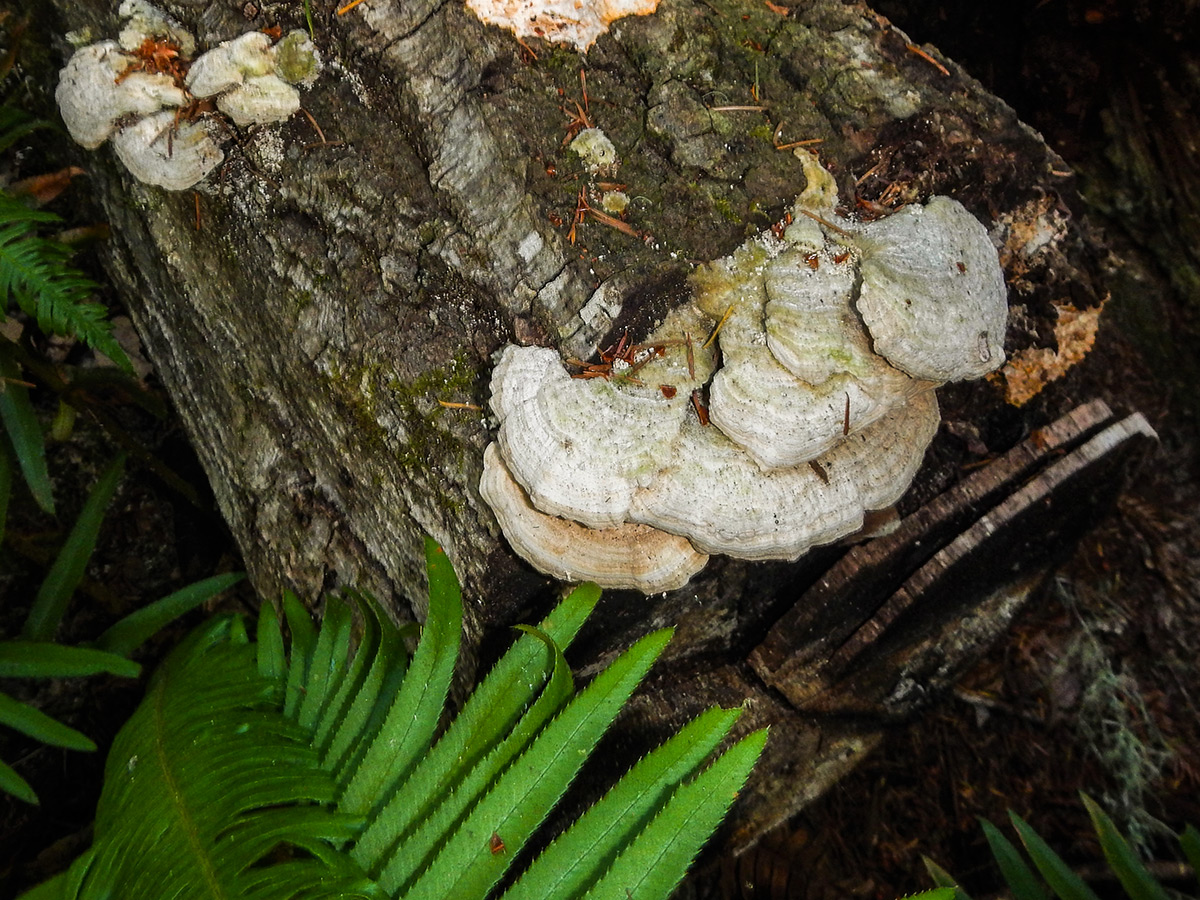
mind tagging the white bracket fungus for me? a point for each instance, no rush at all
(650, 560)
(143, 92)
(157, 151)
(820, 403)
(912, 261)
(95, 93)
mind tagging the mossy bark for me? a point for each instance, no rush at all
(310, 305)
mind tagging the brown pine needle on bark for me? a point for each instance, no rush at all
(725, 318)
(914, 49)
(448, 404)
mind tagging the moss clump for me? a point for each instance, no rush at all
(725, 209)
(762, 132)
(427, 436)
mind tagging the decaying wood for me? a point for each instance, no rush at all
(937, 570)
(328, 329)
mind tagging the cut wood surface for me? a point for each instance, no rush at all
(324, 310)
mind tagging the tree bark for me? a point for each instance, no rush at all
(308, 306)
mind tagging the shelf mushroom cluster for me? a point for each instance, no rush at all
(141, 93)
(820, 401)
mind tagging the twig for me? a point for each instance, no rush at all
(827, 223)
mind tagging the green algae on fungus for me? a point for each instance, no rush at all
(297, 60)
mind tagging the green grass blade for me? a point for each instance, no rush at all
(654, 863)
(944, 880)
(36, 724)
(125, 636)
(15, 125)
(14, 784)
(439, 814)
(52, 889)
(1021, 880)
(237, 631)
(529, 788)
(487, 716)
(413, 717)
(68, 567)
(24, 433)
(78, 873)
(939, 893)
(578, 857)
(1190, 841)
(44, 659)
(1122, 859)
(65, 885)
(1065, 883)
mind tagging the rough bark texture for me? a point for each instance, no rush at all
(326, 295)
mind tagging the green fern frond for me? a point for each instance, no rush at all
(196, 781)
(654, 863)
(486, 734)
(36, 274)
(587, 849)
(261, 760)
(412, 718)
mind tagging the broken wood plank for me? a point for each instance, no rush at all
(852, 639)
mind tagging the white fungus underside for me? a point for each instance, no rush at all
(628, 557)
